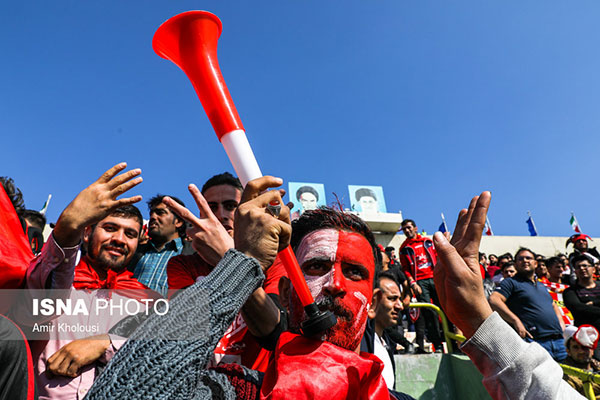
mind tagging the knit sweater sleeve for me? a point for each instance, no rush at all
(166, 357)
(513, 368)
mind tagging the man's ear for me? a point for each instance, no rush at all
(179, 222)
(377, 294)
(284, 291)
(87, 235)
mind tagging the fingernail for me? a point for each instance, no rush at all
(439, 236)
(137, 170)
(279, 181)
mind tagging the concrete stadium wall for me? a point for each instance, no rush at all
(545, 245)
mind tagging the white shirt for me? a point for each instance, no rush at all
(381, 352)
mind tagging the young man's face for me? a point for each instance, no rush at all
(112, 243)
(581, 244)
(555, 271)
(163, 223)
(542, 270)
(390, 306)
(583, 270)
(509, 271)
(338, 267)
(223, 201)
(579, 353)
(525, 263)
(410, 231)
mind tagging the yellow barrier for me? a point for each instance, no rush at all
(447, 334)
(586, 377)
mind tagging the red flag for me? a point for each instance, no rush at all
(15, 251)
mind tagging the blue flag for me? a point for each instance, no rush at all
(531, 227)
(442, 227)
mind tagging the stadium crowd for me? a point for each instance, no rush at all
(233, 324)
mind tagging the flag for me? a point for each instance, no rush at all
(488, 227)
(574, 223)
(443, 227)
(531, 225)
(45, 207)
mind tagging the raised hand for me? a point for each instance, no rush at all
(457, 275)
(209, 238)
(257, 233)
(96, 202)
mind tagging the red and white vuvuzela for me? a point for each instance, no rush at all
(190, 41)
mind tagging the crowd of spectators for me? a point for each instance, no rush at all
(230, 294)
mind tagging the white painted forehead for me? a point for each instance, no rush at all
(321, 244)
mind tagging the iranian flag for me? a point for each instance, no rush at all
(574, 223)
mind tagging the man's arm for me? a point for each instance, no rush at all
(211, 241)
(511, 367)
(559, 316)
(498, 304)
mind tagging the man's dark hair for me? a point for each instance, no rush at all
(13, 193)
(128, 211)
(222, 179)
(35, 218)
(386, 275)
(326, 217)
(579, 258)
(156, 200)
(508, 264)
(552, 261)
(389, 249)
(505, 255)
(522, 249)
(408, 221)
(306, 189)
(362, 192)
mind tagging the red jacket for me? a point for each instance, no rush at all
(418, 257)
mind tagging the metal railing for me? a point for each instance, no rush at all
(447, 334)
(586, 377)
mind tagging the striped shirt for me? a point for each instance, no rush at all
(151, 269)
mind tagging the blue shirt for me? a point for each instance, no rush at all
(531, 302)
(151, 269)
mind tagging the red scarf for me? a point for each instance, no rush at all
(123, 282)
(304, 368)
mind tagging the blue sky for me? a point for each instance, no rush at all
(434, 101)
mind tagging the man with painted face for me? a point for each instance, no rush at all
(337, 254)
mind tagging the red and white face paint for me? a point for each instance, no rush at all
(338, 267)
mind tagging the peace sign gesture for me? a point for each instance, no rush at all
(209, 238)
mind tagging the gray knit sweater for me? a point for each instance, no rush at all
(166, 357)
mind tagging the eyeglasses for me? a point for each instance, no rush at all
(582, 266)
(524, 258)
